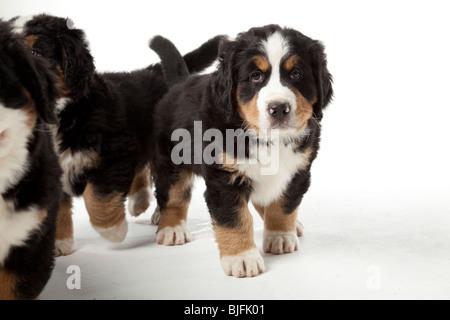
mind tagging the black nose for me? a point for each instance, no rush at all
(279, 111)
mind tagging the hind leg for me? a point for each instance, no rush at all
(140, 195)
(173, 201)
(65, 243)
(106, 212)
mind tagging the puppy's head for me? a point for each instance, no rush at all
(273, 78)
(27, 91)
(66, 50)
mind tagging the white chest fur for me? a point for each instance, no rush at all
(271, 174)
(15, 227)
(14, 136)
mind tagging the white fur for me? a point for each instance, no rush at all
(178, 235)
(15, 226)
(156, 216)
(280, 242)
(14, 136)
(269, 185)
(64, 247)
(61, 103)
(275, 48)
(114, 234)
(139, 202)
(19, 23)
(247, 264)
(74, 164)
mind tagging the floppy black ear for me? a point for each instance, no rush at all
(224, 82)
(323, 79)
(78, 64)
(38, 81)
(46, 95)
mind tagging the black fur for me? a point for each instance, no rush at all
(108, 114)
(213, 100)
(26, 80)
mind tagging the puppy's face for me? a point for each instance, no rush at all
(27, 93)
(280, 79)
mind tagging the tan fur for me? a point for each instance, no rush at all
(304, 111)
(249, 112)
(261, 63)
(64, 228)
(233, 241)
(275, 219)
(177, 207)
(104, 211)
(291, 62)
(30, 41)
(141, 180)
(8, 283)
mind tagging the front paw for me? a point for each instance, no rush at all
(174, 236)
(247, 264)
(280, 242)
(64, 247)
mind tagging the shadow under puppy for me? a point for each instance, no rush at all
(104, 137)
(30, 175)
(269, 91)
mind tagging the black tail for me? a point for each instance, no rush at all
(173, 66)
(204, 56)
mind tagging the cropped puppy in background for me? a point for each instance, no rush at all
(103, 138)
(30, 175)
(274, 83)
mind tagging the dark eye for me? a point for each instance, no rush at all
(35, 53)
(295, 74)
(257, 76)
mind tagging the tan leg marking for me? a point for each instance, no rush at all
(140, 194)
(173, 229)
(280, 229)
(64, 229)
(107, 214)
(8, 283)
(238, 252)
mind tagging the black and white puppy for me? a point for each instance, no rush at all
(104, 134)
(266, 100)
(30, 175)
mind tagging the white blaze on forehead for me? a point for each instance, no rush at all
(276, 48)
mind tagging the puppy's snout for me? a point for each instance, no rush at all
(279, 110)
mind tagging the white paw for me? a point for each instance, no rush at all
(114, 234)
(300, 228)
(156, 216)
(280, 242)
(64, 247)
(174, 236)
(139, 202)
(247, 264)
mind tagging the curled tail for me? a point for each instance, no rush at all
(173, 65)
(176, 67)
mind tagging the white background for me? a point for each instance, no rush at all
(380, 189)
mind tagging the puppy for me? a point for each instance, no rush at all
(252, 130)
(30, 175)
(103, 138)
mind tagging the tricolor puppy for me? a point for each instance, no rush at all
(274, 83)
(103, 137)
(30, 185)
